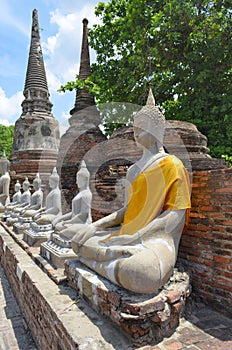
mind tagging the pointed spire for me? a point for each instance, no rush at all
(36, 89)
(83, 97)
(150, 98)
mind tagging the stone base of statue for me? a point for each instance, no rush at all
(10, 221)
(37, 234)
(57, 251)
(6, 215)
(21, 225)
(146, 318)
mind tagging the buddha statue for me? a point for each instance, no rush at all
(53, 209)
(136, 247)
(81, 206)
(58, 248)
(4, 183)
(25, 197)
(24, 203)
(36, 200)
(25, 214)
(16, 199)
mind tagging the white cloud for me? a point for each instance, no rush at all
(10, 107)
(63, 49)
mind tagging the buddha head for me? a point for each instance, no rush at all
(149, 124)
(26, 184)
(37, 182)
(17, 186)
(83, 176)
(4, 163)
(54, 179)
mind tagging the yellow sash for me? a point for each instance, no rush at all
(162, 187)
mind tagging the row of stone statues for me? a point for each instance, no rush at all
(135, 247)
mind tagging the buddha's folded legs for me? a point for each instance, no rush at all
(139, 273)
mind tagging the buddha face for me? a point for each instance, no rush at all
(81, 181)
(143, 137)
(36, 185)
(53, 183)
(25, 186)
(17, 187)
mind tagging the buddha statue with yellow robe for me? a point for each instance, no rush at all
(136, 247)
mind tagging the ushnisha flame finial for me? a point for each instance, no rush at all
(151, 119)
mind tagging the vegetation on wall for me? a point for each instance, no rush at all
(181, 49)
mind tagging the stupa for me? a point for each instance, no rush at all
(36, 135)
(83, 133)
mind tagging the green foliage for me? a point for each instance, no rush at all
(181, 49)
(6, 140)
(79, 84)
(228, 159)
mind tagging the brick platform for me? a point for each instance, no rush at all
(145, 318)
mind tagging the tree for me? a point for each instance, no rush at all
(6, 141)
(182, 49)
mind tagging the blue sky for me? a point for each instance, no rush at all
(61, 35)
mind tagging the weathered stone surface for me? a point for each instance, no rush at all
(83, 134)
(36, 136)
(145, 318)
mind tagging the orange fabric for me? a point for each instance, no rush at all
(162, 187)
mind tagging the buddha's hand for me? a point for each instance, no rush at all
(124, 240)
(84, 232)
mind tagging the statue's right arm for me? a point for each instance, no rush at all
(110, 220)
(62, 218)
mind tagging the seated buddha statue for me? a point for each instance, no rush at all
(4, 183)
(136, 247)
(25, 214)
(25, 201)
(25, 197)
(81, 206)
(36, 200)
(53, 209)
(16, 199)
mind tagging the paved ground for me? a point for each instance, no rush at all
(14, 333)
(203, 329)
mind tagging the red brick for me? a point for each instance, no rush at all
(221, 259)
(173, 296)
(114, 298)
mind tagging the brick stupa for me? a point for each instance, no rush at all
(83, 133)
(36, 135)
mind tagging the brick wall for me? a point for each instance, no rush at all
(206, 248)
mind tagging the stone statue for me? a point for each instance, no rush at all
(16, 199)
(36, 200)
(25, 214)
(58, 248)
(136, 247)
(24, 203)
(25, 197)
(53, 208)
(4, 183)
(81, 206)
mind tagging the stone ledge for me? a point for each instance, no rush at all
(56, 274)
(145, 318)
(57, 317)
